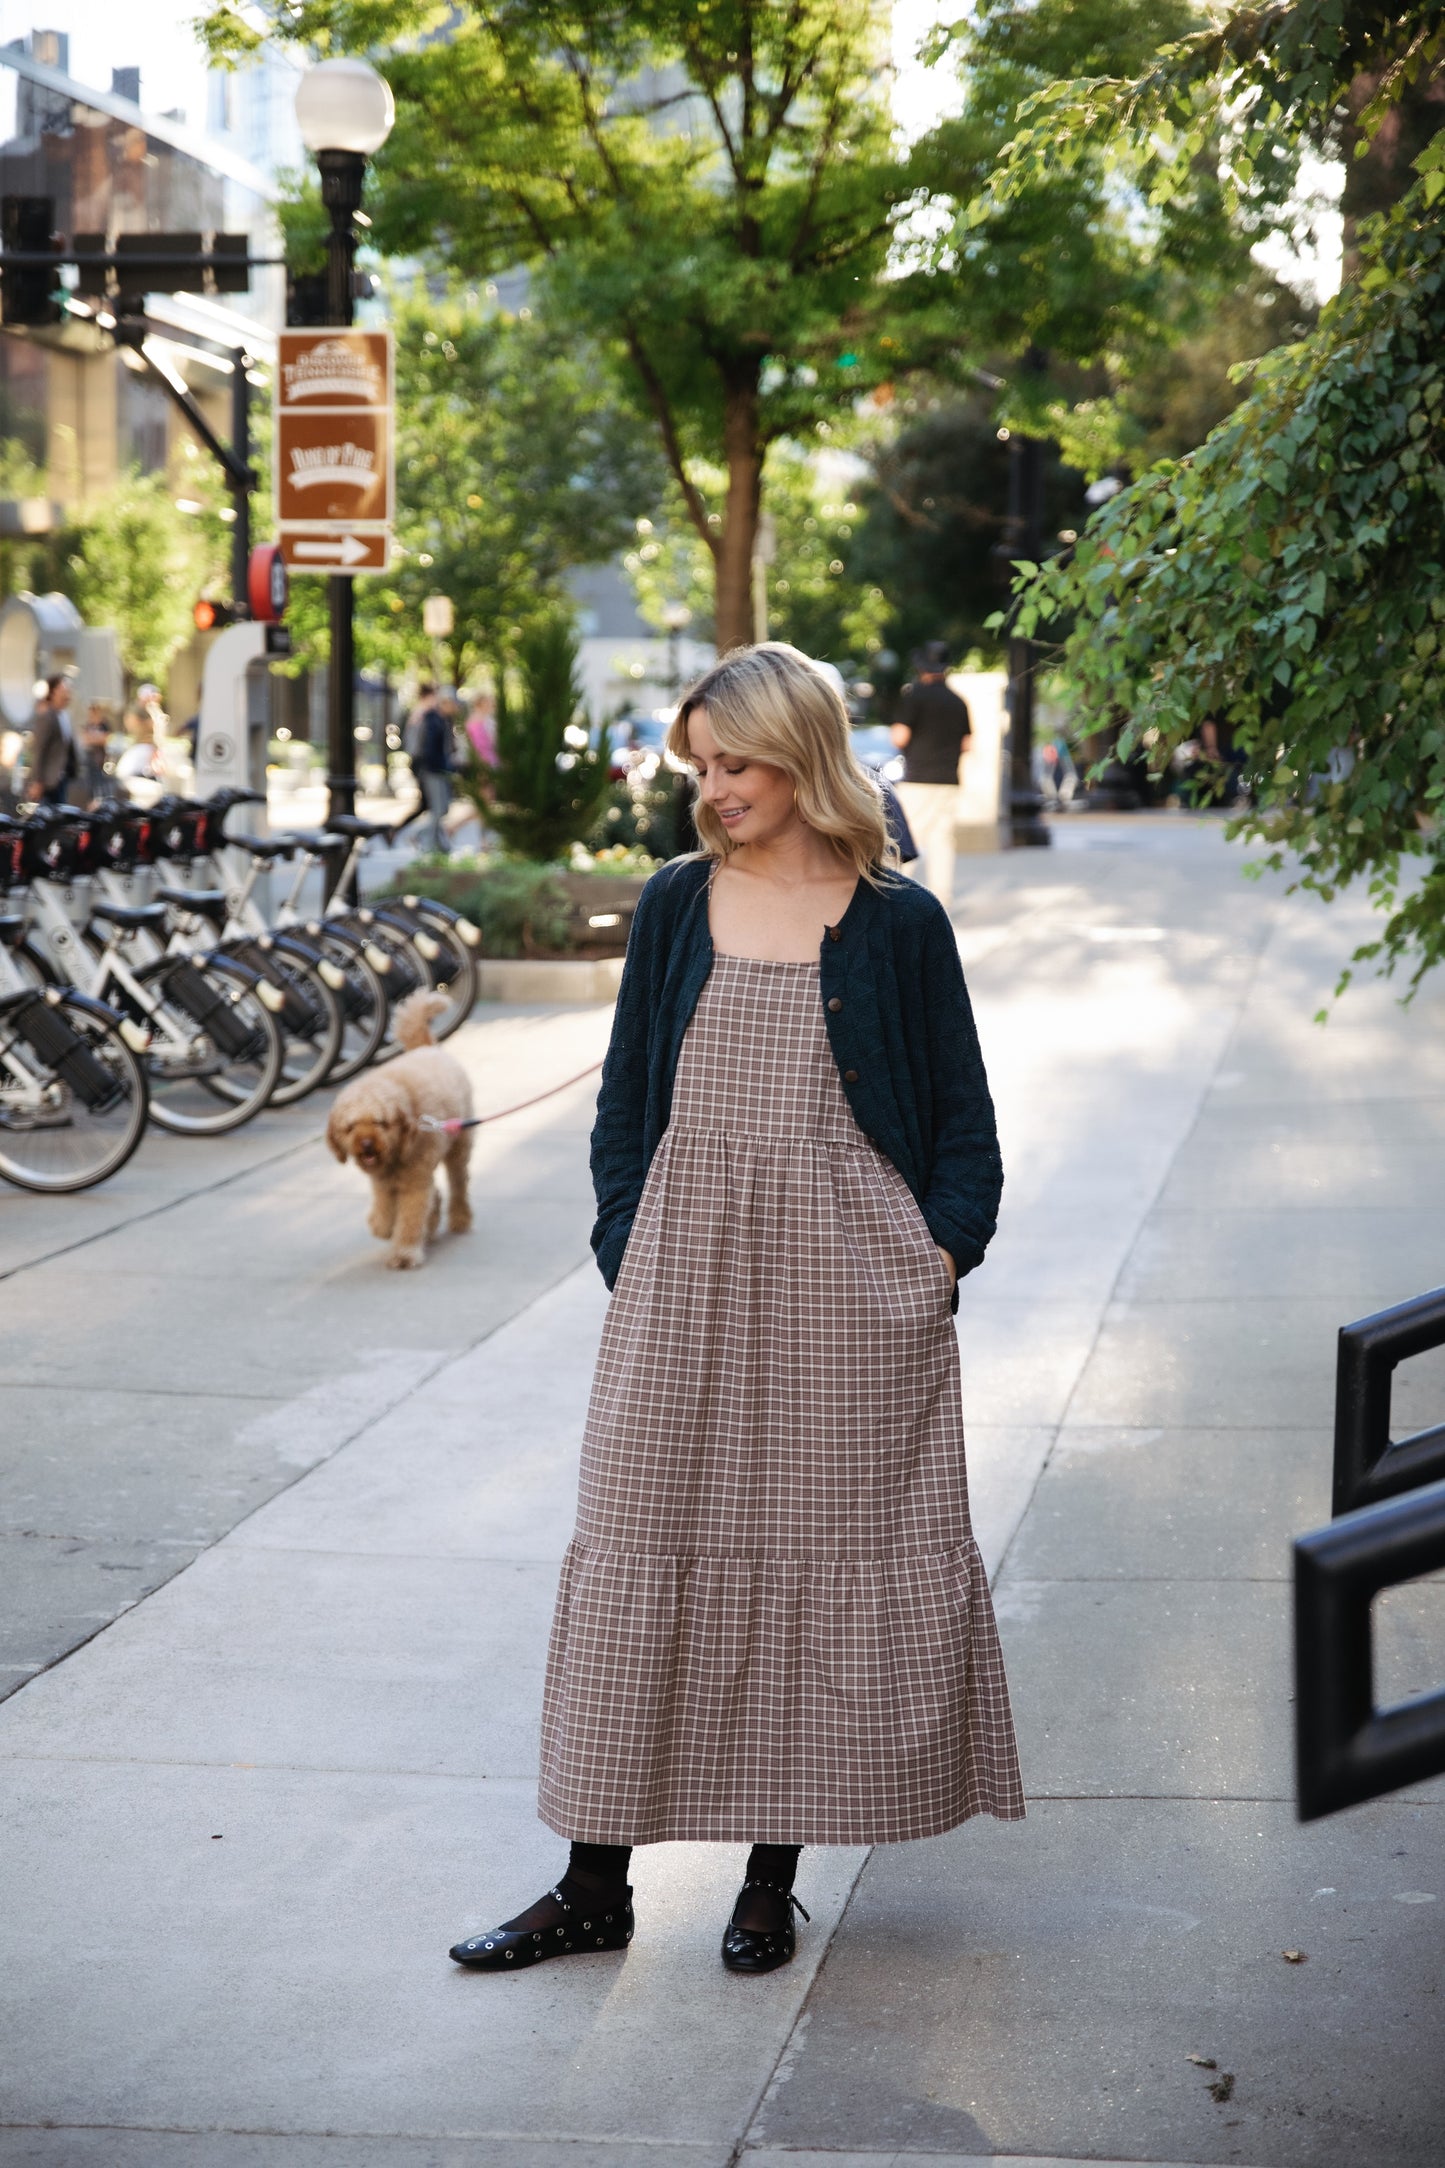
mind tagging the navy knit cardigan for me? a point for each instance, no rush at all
(899, 1024)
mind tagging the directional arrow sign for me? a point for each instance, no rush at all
(349, 552)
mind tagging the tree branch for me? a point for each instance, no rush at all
(672, 443)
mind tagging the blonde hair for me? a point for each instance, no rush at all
(771, 704)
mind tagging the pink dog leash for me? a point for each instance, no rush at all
(452, 1126)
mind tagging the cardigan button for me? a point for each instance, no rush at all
(850, 1076)
(835, 1004)
(834, 934)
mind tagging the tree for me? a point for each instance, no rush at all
(515, 462)
(137, 563)
(1287, 580)
(1074, 262)
(549, 783)
(29, 564)
(707, 188)
(933, 519)
(814, 598)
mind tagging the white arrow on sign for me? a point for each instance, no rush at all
(346, 548)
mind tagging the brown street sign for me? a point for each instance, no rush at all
(334, 446)
(344, 552)
(333, 369)
(333, 466)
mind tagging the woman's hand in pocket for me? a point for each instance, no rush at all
(948, 1261)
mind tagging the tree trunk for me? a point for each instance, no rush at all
(734, 597)
(1378, 179)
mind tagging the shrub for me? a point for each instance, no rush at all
(519, 907)
(547, 788)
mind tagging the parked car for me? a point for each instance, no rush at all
(874, 747)
(639, 746)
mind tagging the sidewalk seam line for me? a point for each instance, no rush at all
(373, 1416)
(158, 1211)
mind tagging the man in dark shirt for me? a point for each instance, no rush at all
(932, 727)
(433, 763)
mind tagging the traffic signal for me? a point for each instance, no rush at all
(29, 293)
(210, 615)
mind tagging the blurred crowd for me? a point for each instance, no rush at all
(65, 758)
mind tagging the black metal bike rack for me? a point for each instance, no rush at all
(1389, 1527)
(1367, 1466)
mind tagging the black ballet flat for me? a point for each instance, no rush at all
(591, 1924)
(748, 1949)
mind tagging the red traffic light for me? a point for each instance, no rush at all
(210, 615)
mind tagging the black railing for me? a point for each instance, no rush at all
(1389, 1527)
(1367, 1466)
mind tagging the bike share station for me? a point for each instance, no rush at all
(146, 970)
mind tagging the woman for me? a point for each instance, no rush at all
(773, 1625)
(140, 761)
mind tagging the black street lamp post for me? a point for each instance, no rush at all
(1024, 538)
(345, 111)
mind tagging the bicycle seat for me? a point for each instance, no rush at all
(130, 917)
(221, 800)
(351, 824)
(307, 839)
(205, 902)
(264, 846)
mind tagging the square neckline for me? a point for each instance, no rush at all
(787, 963)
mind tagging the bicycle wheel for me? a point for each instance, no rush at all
(450, 964)
(363, 1002)
(404, 973)
(73, 1099)
(215, 1050)
(310, 1015)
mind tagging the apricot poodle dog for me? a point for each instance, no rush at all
(391, 1122)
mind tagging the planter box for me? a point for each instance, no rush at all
(607, 896)
(549, 979)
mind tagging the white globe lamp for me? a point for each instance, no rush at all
(344, 105)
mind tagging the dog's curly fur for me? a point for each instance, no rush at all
(380, 1121)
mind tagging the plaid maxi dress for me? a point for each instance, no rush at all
(773, 1624)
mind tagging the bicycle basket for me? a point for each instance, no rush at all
(118, 837)
(185, 831)
(55, 850)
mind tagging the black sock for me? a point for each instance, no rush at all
(775, 1864)
(765, 1910)
(599, 1867)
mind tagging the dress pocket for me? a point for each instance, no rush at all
(915, 1240)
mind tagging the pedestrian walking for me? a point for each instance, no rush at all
(96, 780)
(773, 1625)
(54, 758)
(433, 764)
(933, 729)
(481, 729)
(426, 693)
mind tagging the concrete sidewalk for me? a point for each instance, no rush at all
(242, 1824)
